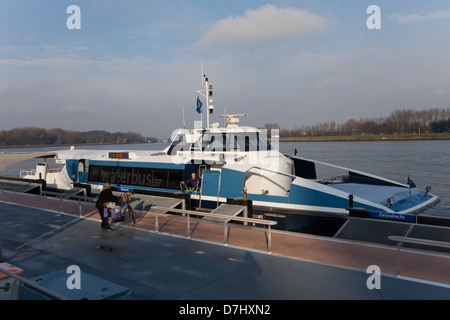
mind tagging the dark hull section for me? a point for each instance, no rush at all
(317, 225)
(323, 225)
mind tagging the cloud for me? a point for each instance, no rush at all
(339, 80)
(420, 17)
(45, 63)
(42, 51)
(74, 108)
(265, 24)
(151, 29)
(45, 57)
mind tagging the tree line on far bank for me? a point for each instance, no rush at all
(407, 121)
(30, 136)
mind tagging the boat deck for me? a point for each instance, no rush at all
(18, 186)
(44, 235)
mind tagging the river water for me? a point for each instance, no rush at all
(426, 162)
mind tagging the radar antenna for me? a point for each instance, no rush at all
(233, 119)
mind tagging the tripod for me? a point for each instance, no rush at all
(114, 212)
(126, 197)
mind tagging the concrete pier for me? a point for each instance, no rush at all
(166, 265)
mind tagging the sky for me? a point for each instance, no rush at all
(135, 65)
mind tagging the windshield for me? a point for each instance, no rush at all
(179, 144)
(241, 141)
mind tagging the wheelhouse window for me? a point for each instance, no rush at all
(179, 144)
(242, 141)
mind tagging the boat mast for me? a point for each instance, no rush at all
(207, 93)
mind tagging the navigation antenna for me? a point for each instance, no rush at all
(233, 119)
(207, 93)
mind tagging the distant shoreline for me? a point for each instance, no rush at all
(69, 145)
(398, 137)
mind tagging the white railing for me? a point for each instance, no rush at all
(225, 218)
(425, 242)
(24, 173)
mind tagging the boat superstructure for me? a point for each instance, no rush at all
(234, 162)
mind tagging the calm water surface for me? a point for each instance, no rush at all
(426, 162)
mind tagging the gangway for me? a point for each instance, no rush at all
(378, 231)
(225, 219)
(146, 202)
(19, 186)
(232, 210)
(73, 192)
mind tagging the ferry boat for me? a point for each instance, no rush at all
(238, 162)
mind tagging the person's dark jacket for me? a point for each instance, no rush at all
(192, 183)
(105, 196)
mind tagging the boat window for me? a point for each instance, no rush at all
(242, 141)
(179, 144)
(139, 177)
(248, 141)
(208, 142)
(159, 179)
(81, 166)
(262, 143)
(174, 179)
(214, 142)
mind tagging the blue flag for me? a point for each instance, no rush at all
(411, 183)
(199, 105)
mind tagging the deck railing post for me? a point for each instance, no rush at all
(425, 242)
(225, 232)
(186, 215)
(156, 222)
(245, 215)
(188, 226)
(1, 259)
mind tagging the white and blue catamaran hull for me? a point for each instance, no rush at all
(298, 200)
(236, 162)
